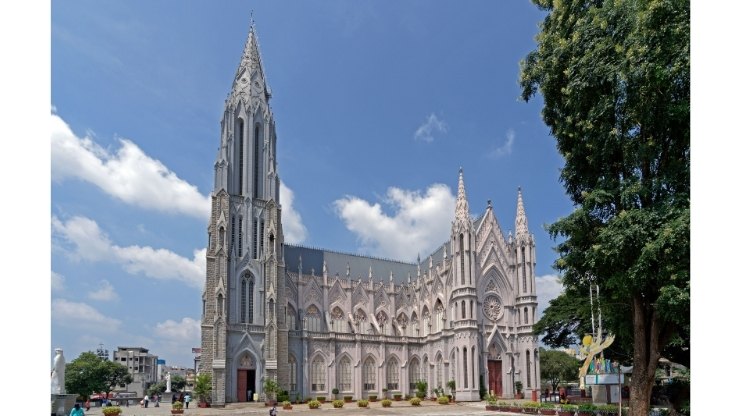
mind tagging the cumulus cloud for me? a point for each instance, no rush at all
(294, 231)
(187, 330)
(89, 243)
(431, 126)
(506, 148)
(57, 281)
(104, 292)
(418, 222)
(128, 174)
(548, 287)
(81, 316)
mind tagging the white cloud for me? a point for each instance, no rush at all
(129, 175)
(104, 292)
(431, 126)
(548, 287)
(506, 148)
(57, 281)
(187, 330)
(81, 316)
(419, 223)
(294, 231)
(91, 244)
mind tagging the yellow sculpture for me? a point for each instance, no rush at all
(590, 348)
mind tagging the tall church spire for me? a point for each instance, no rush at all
(521, 230)
(461, 204)
(251, 59)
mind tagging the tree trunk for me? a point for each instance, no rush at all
(646, 349)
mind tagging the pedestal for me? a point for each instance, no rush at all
(62, 404)
(166, 397)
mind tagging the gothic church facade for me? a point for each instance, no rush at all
(315, 320)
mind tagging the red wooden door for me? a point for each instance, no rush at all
(241, 385)
(495, 377)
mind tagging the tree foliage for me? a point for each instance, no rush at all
(88, 374)
(557, 367)
(203, 387)
(615, 79)
(177, 383)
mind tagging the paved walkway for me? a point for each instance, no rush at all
(428, 408)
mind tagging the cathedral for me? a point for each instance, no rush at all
(315, 320)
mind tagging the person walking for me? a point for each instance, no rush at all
(187, 400)
(77, 411)
(146, 400)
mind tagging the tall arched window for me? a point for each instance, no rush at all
(361, 321)
(439, 313)
(339, 323)
(526, 316)
(243, 301)
(313, 319)
(240, 150)
(470, 304)
(290, 318)
(455, 310)
(527, 363)
(463, 309)
(415, 325)
(425, 322)
(318, 373)
(413, 374)
(251, 301)
(423, 370)
(453, 365)
(220, 304)
(345, 374)
(292, 372)
(473, 367)
(256, 161)
(392, 374)
(524, 277)
(463, 267)
(369, 374)
(239, 238)
(465, 368)
(439, 368)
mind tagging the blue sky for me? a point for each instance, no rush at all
(377, 106)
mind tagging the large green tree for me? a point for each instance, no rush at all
(89, 374)
(557, 367)
(615, 80)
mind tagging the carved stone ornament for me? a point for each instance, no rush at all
(381, 318)
(337, 314)
(247, 362)
(492, 307)
(313, 295)
(491, 286)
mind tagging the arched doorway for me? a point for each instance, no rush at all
(494, 365)
(246, 378)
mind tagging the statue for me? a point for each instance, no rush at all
(169, 386)
(57, 373)
(590, 348)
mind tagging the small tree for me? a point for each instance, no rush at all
(177, 383)
(451, 386)
(421, 389)
(203, 387)
(270, 387)
(557, 366)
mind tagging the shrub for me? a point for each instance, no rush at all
(321, 398)
(115, 410)
(587, 407)
(177, 405)
(282, 396)
(348, 399)
(335, 391)
(373, 397)
(386, 403)
(491, 399)
(443, 400)
(547, 405)
(286, 403)
(362, 403)
(531, 405)
(314, 404)
(397, 396)
(415, 401)
(607, 409)
(569, 407)
(421, 389)
(338, 404)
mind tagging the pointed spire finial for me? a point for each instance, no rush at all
(521, 230)
(370, 272)
(391, 276)
(348, 269)
(461, 204)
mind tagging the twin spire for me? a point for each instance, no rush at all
(521, 230)
(461, 204)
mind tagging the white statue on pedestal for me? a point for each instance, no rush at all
(167, 378)
(57, 373)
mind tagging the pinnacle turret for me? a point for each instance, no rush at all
(461, 204)
(521, 230)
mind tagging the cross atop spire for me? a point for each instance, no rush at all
(521, 230)
(461, 204)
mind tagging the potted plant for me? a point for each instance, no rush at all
(337, 404)
(202, 389)
(386, 403)
(442, 400)
(607, 410)
(335, 392)
(518, 388)
(397, 397)
(586, 409)
(321, 399)
(314, 404)
(270, 387)
(287, 405)
(112, 411)
(491, 402)
(348, 399)
(515, 407)
(421, 389)
(372, 397)
(530, 407)
(451, 386)
(362, 403)
(547, 408)
(177, 408)
(415, 401)
(567, 410)
(385, 391)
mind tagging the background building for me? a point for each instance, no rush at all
(142, 366)
(316, 319)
